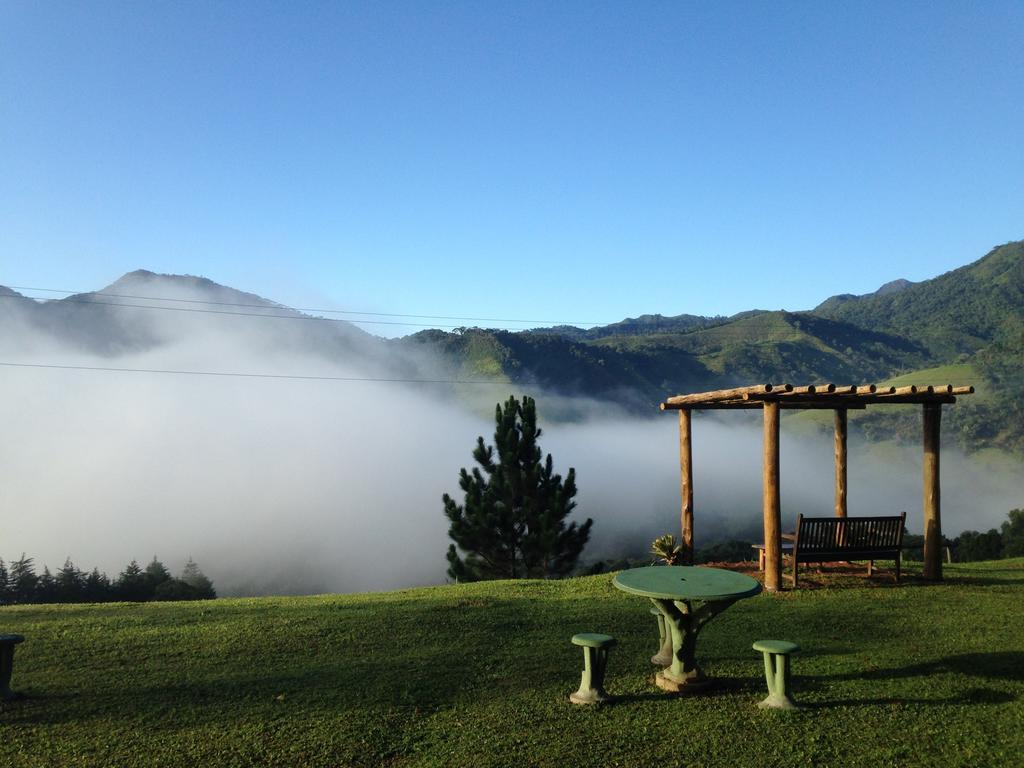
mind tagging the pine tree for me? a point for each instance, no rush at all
(198, 581)
(70, 583)
(5, 595)
(156, 574)
(132, 585)
(512, 523)
(23, 580)
(97, 587)
(46, 588)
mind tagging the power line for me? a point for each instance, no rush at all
(247, 375)
(302, 309)
(353, 321)
(246, 314)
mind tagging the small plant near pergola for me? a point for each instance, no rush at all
(772, 399)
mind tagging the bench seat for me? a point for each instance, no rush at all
(829, 539)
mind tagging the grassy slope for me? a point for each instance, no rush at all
(478, 675)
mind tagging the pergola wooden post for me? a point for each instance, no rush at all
(774, 398)
(840, 453)
(686, 483)
(772, 500)
(932, 518)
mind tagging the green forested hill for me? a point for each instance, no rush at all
(957, 313)
(972, 316)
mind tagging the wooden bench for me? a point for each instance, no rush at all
(828, 539)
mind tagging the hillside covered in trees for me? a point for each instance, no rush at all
(964, 327)
(967, 325)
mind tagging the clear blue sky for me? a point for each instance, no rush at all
(571, 161)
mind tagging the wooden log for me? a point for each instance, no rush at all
(718, 394)
(756, 405)
(962, 391)
(908, 390)
(810, 389)
(686, 483)
(771, 500)
(843, 390)
(940, 389)
(862, 390)
(932, 569)
(840, 423)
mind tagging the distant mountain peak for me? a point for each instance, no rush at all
(893, 286)
(144, 276)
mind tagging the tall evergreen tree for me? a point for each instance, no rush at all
(97, 587)
(512, 523)
(46, 588)
(132, 584)
(156, 574)
(70, 583)
(5, 595)
(198, 581)
(23, 580)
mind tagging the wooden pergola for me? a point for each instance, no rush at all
(774, 398)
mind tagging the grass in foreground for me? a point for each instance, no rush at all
(479, 674)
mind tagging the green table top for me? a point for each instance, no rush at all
(684, 582)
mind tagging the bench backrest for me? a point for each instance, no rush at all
(849, 534)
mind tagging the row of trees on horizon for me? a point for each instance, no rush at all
(19, 583)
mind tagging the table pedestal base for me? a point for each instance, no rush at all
(693, 685)
(683, 621)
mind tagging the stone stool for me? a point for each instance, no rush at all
(776, 670)
(664, 655)
(7, 643)
(595, 659)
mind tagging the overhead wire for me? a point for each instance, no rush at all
(275, 305)
(109, 369)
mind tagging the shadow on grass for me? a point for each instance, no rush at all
(974, 696)
(720, 686)
(315, 692)
(981, 581)
(998, 665)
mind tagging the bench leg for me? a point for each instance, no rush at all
(871, 567)
(898, 557)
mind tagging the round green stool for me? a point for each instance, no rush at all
(595, 660)
(7, 643)
(776, 670)
(664, 655)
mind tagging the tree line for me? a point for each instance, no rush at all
(19, 583)
(993, 544)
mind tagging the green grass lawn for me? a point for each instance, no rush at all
(479, 675)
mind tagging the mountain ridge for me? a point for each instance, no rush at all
(970, 315)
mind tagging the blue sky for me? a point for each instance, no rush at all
(562, 161)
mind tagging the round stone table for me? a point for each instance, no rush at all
(688, 597)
